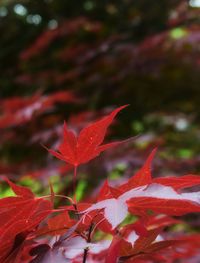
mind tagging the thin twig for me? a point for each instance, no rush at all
(74, 183)
(88, 241)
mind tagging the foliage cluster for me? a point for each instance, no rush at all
(122, 223)
(60, 60)
(108, 52)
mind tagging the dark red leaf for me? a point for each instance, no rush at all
(179, 182)
(87, 146)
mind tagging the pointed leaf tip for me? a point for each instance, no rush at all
(143, 176)
(20, 190)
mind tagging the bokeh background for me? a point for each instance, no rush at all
(76, 61)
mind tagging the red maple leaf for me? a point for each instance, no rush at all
(81, 149)
(19, 216)
(142, 194)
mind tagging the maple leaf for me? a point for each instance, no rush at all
(113, 251)
(129, 245)
(142, 177)
(156, 197)
(56, 225)
(143, 194)
(19, 110)
(179, 182)
(181, 249)
(130, 240)
(81, 149)
(19, 215)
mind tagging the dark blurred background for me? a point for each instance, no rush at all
(76, 60)
(110, 52)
